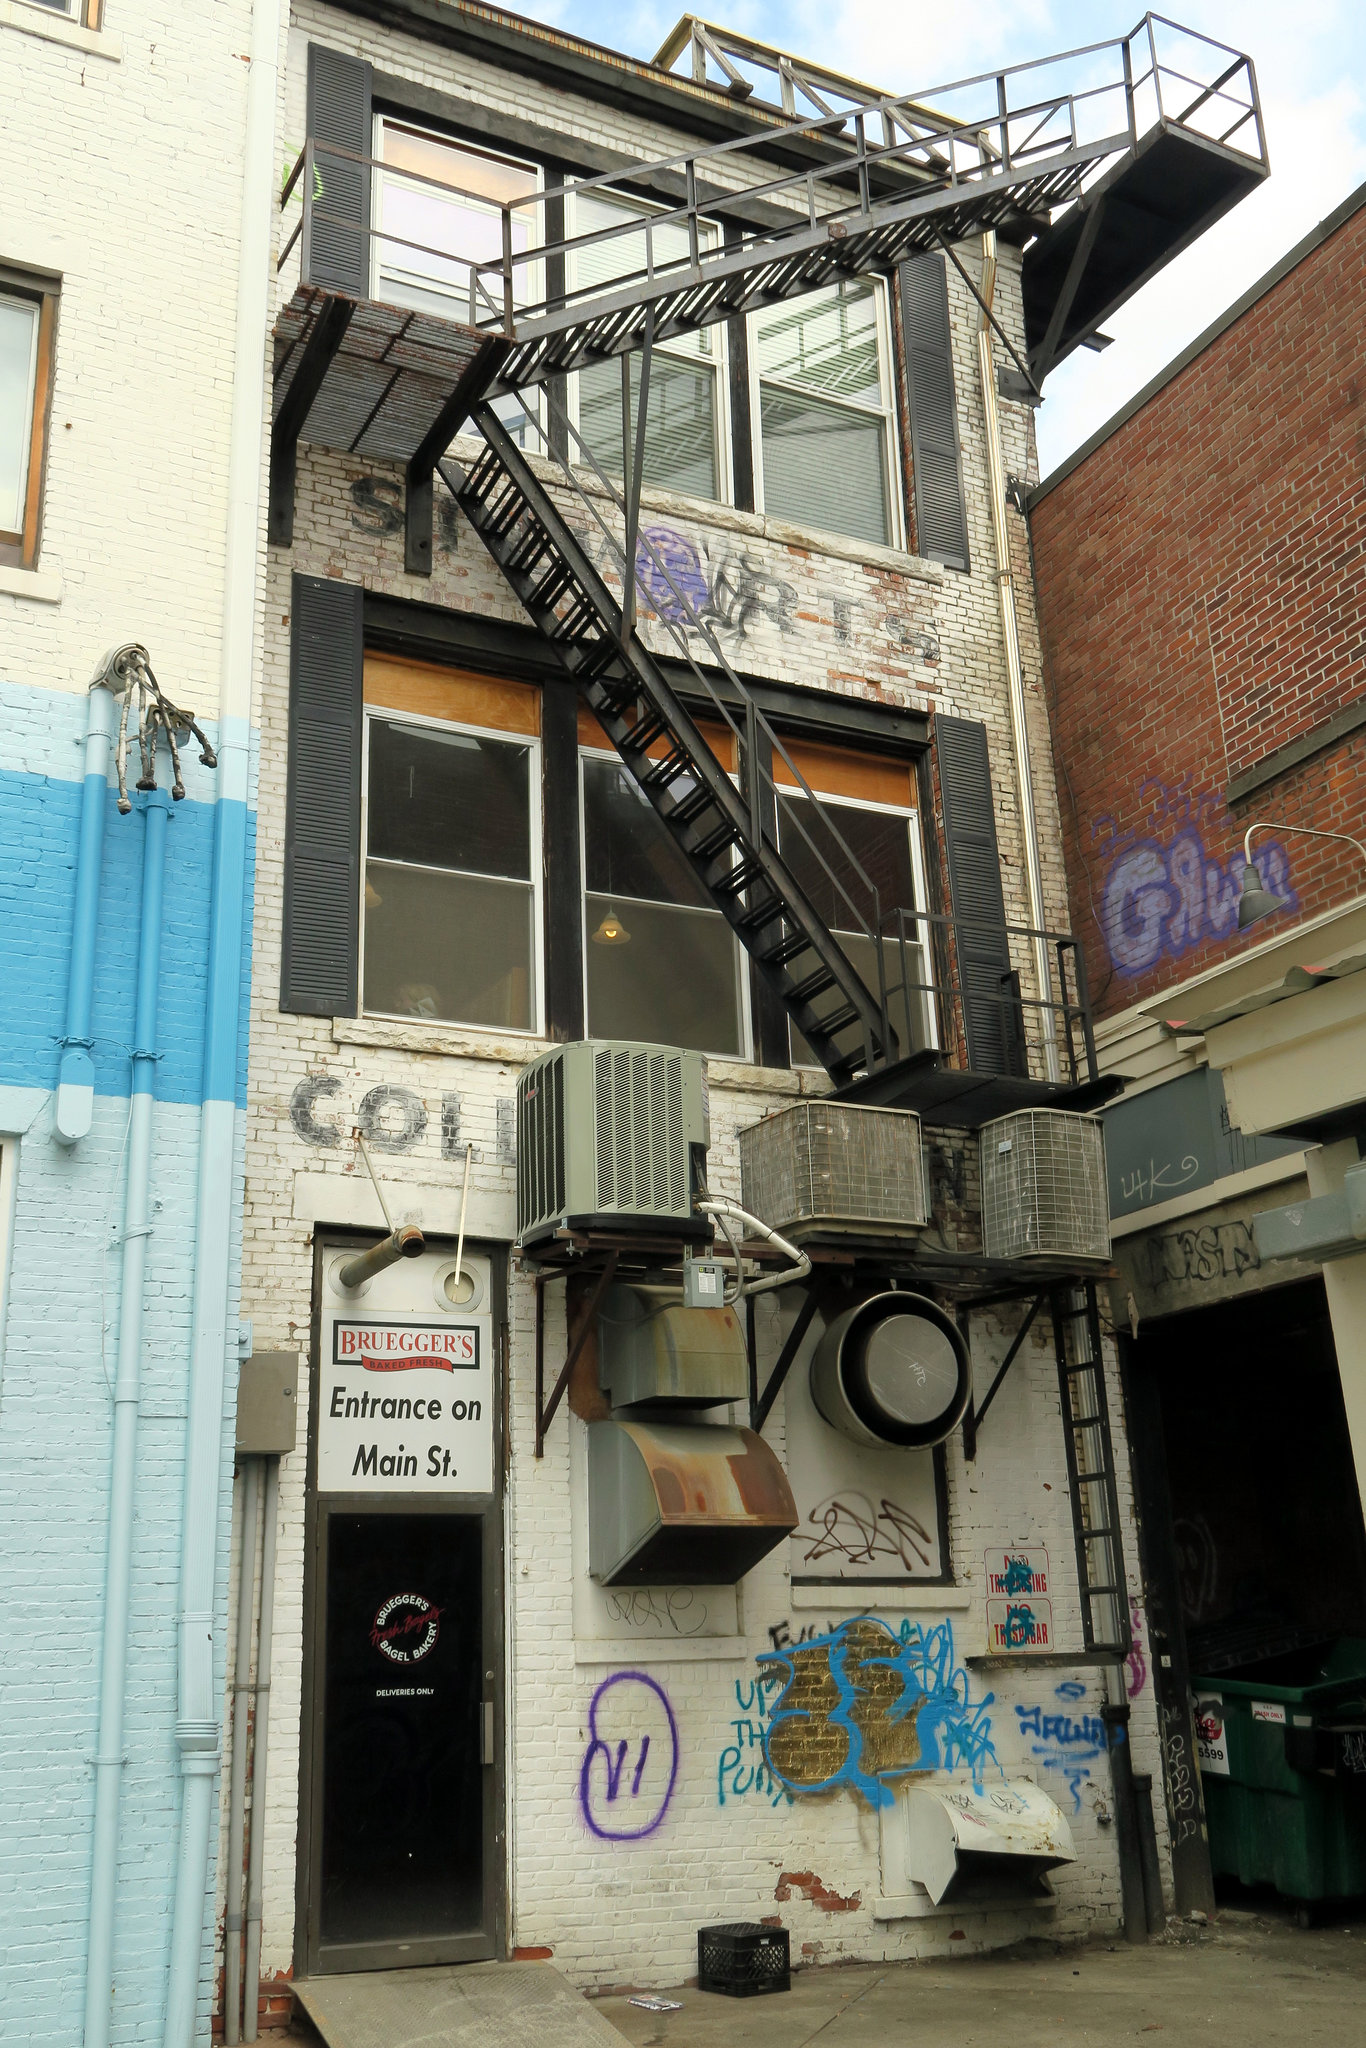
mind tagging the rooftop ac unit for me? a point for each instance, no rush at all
(834, 1166)
(1043, 1187)
(607, 1130)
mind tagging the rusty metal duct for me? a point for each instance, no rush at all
(652, 1350)
(682, 1504)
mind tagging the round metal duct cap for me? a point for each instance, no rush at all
(893, 1370)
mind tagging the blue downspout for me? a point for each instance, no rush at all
(127, 1376)
(76, 1073)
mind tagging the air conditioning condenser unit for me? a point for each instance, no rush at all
(610, 1130)
(836, 1167)
(1043, 1186)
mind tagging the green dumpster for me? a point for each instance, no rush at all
(1282, 1749)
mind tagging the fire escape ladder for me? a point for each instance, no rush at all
(1091, 1469)
(721, 834)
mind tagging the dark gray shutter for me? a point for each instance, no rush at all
(941, 519)
(338, 254)
(322, 806)
(991, 1017)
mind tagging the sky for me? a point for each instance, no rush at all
(1310, 57)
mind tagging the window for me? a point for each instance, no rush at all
(88, 13)
(661, 964)
(684, 431)
(27, 325)
(452, 842)
(826, 455)
(440, 202)
(870, 807)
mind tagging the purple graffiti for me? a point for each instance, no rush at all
(644, 1789)
(1167, 898)
(669, 571)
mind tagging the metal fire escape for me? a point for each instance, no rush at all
(1105, 162)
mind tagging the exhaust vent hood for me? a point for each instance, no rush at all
(966, 1845)
(682, 1504)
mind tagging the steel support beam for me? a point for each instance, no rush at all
(329, 330)
(466, 392)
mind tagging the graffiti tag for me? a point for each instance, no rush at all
(630, 1766)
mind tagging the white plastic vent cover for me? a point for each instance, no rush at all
(835, 1165)
(1043, 1186)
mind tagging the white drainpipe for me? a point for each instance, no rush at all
(1005, 582)
(197, 1719)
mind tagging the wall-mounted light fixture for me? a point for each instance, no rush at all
(1255, 901)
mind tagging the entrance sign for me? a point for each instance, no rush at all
(405, 1401)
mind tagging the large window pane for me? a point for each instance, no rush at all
(437, 235)
(662, 964)
(449, 799)
(880, 843)
(824, 467)
(18, 352)
(680, 422)
(455, 947)
(827, 344)
(670, 979)
(449, 901)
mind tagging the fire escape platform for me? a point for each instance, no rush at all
(966, 1100)
(380, 374)
(1136, 217)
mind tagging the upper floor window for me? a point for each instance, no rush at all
(27, 326)
(437, 205)
(87, 12)
(660, 961)
(685, 437)
(825, 412)
(451, 921)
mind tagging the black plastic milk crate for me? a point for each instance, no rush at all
(743, 1959)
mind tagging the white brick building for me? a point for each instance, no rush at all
(601, 1848)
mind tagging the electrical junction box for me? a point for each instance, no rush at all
(704, 1283)
(654, 1353)
(267, 1404)
(610, 1130)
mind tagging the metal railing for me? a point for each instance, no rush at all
(1027, 137)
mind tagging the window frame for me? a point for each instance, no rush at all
(889, 412)
(916, 838)
(536, 862)
(20, 548)
(745, 1056)
(83, 13)
(721, 365)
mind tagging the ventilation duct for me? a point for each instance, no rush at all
(678, 1504)
(654, 1352)
(837, 1167)
(1043, 1187)
(893, 1370)
(972, 1846)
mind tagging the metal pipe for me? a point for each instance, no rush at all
(198, 1706)
(407, 1242)
(76, 1072)
(137, 1228)
(1005, 583)
(237, 1770)
(801, 1263)
(256, 1853)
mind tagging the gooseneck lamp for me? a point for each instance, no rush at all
(1256, 901)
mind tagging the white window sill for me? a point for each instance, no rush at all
(858, 1596)
(43, 584)
(56, 28)
(457, 1041)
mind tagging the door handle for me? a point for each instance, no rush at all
(486, 1732)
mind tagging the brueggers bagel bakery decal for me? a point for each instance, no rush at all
(405, 1406)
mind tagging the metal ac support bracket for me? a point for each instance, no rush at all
(545, 1410)
(974, 1418)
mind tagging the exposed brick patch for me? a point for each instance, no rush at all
(532, 1955)
(814, 1888)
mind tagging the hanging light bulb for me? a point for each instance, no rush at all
(611, 932)
(373, 899)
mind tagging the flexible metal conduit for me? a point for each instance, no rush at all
(76, 1072)
(197, 1718)
(109, 1758)
(1005, 583)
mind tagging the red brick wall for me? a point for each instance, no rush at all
(1202, 586)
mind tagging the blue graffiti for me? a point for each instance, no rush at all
(1169, 898)
(1066, 1744)
(742, 1769)
(1019, 1575)
(925, 1719)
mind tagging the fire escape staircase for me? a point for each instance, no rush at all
(803, 204)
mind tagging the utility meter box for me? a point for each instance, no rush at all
(267, 1404)
(653, 1353)
(610, 1130)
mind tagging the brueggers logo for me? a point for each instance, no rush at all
(406, 1628)
(405, 1347)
